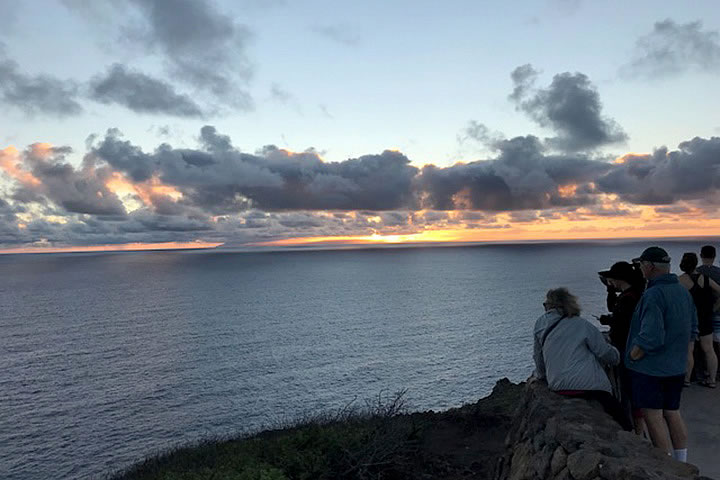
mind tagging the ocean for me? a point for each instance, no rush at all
(106, 358)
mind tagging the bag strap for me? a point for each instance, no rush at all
(549, 331)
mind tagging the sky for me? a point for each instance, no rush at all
(202, 123)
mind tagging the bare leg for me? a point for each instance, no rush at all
(677, 428)
(657, 428)
(639, 426)
(710, 358)
(690, 361)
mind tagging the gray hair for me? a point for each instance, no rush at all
(564, 301)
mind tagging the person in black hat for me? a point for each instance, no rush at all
(625, 285)
(662, 326)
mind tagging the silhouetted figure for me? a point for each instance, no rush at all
(707, 257)
(571, 353)
(701, 289)
(625, 285)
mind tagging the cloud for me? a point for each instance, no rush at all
(570, 106)
(340, 34)
(199, 46)
(121, 193)
(523, 176)
(480, 133)
(278, 94)
(36, 94)
(76, 191)
(672, 48)
(664, 177)
(523, 78)
(141, 93)
(222, 179)
(203, 47)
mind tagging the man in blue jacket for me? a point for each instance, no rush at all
(662, 326)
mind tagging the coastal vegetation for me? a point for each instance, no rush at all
(378, 440)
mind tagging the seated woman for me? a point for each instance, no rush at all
(570, 353)
(701, 287)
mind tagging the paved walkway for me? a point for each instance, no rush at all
(700, 408)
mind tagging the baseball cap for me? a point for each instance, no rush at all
(653, 254)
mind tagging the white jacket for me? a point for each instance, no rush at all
(573, 354)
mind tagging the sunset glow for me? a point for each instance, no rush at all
(126, 247)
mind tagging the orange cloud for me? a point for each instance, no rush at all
(567, 190)
(120, 185)
(10, 163)
(629, 156)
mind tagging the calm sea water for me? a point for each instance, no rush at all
(106, 358)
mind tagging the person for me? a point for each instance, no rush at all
(661, 327)
(707, 257)
(625, 285)
(570, 354)
(701, 288)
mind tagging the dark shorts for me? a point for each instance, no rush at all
(660, 393)
(705, 325)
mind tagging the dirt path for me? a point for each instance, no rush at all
(701, 409)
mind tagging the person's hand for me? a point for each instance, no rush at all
(636, 353)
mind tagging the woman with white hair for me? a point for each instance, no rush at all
(571, 353)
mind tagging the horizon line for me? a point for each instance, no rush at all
(270, 246)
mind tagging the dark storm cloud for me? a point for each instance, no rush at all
(662, 178)
(141, 93)
(522, 177)
(36, 94)
(203, 46)
(673, 48)
(570, 106)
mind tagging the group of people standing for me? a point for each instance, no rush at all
(658, 323)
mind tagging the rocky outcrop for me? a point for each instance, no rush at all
(558, 438)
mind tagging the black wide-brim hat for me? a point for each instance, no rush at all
(620, 271)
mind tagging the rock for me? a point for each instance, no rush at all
(559, 461)
(541, 461)
(564, 474)
(521, 466)
(555, 437)
(584, 464)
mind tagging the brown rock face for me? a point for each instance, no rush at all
(553, 437)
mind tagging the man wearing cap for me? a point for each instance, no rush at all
(662, 326)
